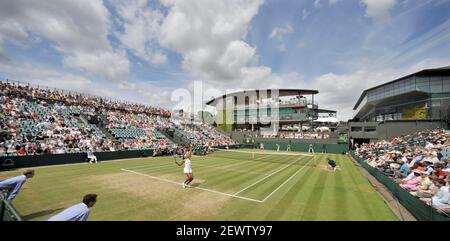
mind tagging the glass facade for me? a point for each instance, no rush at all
(435, 106)
(288, 114)
(427, 84)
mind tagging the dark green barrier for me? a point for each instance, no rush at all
(69, 158)
(7, 211)
(419, 209)
(301, 145)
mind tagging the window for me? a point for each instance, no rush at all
(436, 84)
(436, 103)
(357, 128)
(388, 117)
(423, 84)
(446, 86)
(370, 128)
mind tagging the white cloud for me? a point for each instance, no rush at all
(78, 30)
(141, 29)
(113, 65)
(378, 9)
(333, 2)
(13, 32)
(317, 3)
(210, 42)
(305, 14)
(44, 77)
(279, 32)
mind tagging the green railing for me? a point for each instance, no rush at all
(7, 211)
(419, 209)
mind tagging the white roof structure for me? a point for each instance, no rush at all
(327, 120)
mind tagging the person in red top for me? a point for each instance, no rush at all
(21, 152)
(438, 172)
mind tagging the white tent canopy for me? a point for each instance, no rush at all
(323, 129)
(327, 120)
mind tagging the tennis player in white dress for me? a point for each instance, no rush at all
(187, 167)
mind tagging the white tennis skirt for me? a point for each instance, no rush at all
(187, 170)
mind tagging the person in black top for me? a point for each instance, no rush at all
(332, 164)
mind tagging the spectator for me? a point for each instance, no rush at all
(404, 169)
(413, 182)
(13, 185)
(442, 196)
(77, 212)
(426, 193)
(438, 171)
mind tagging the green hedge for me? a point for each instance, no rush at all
(419, 209)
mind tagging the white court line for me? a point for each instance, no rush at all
(287, 180)
(262, 179)
(204, 189)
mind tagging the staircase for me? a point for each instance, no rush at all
(83, 119)
(167, 133)
(80, 119)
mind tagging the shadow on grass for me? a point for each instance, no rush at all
(194, 184)
(41, 213)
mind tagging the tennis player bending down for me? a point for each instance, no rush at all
(187, 167)
(332, 164)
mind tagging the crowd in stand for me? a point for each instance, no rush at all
(28, 91)
(211, 137)
(41, 121)
(419, 163)
(205, 135)
(298, 135)
(51, 133)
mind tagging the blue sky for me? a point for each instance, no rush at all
(145, 51)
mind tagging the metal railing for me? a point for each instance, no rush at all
(7, 210)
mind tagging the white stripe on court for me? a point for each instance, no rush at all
(262, 179)
(287, 180)
(200, 188)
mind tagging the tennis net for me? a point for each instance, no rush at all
(263, 156)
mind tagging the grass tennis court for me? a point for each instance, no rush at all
(228, 185)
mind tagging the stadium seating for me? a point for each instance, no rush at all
(42, 121)
(416, 162)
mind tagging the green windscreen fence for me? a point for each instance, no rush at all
(301, 145)
(419, 209)
(7, 211)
